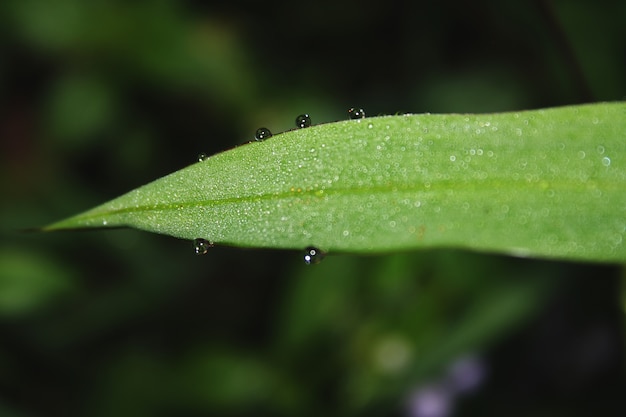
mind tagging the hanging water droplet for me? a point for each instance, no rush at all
(313, 255)
(356, 113)
(202, 157)
(303, 120)
(201, 246)
(262, 133)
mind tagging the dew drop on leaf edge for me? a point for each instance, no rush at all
(313, 255)
(303, 120)
(202, 157)
(356, 113)
(262, 133)
(201, 246)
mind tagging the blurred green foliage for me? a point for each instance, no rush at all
(99, 97)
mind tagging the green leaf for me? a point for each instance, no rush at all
(546, 183)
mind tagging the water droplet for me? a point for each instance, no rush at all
(201, 246)
(606, 161)
(202, 157)
(313, 255)
(303, 120)
(356, 113)
(262, 133)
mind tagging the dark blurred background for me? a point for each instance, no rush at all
(99, 97)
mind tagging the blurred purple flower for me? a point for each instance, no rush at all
(465, 375)
(437, 399)
(430, 401)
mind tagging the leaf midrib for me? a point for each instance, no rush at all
(372, 190)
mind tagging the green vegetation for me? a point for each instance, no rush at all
(101, 97)
(547, 183)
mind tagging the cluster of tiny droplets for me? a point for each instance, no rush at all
(304, 121)
(312, 255)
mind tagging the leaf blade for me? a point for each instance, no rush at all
(546, 183)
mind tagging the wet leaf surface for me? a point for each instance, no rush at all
(546, 183)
